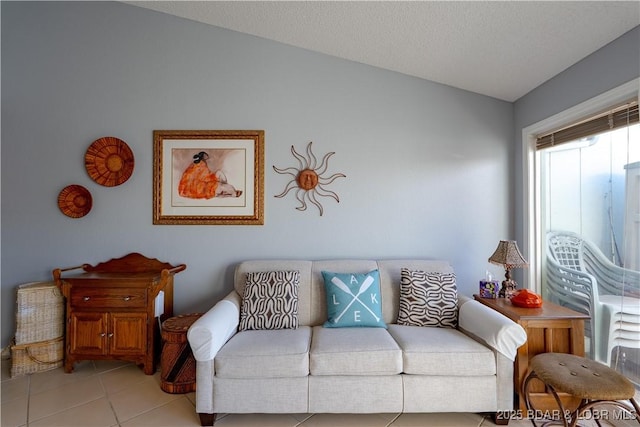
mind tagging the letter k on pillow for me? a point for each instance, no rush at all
(353, 300)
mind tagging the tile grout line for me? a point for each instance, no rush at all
(106, 394)
(301, 423)
(28, 400)
(57, 411)
(394, 420)
(147, 410)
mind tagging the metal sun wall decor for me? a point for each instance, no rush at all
(309, 179)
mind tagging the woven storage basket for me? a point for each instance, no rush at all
(36, 356)
(39, 313)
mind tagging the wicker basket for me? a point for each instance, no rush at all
(37, 357)
(39, 313)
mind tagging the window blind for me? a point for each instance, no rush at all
(612, 119)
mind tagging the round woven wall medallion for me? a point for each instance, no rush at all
(75, 201)
(109, 161)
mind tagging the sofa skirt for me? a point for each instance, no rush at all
(261, 395)
(355, 394)
(449, 394)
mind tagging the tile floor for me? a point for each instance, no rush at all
(109, 394)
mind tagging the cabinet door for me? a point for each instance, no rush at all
(128, 333)
(88, 333)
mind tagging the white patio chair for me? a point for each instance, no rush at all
(579, 276)
(575, 290)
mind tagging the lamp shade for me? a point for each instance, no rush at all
(508, 255)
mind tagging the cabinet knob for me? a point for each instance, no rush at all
(86, 298)
(127, 298)
(103, 334)
(110, 335)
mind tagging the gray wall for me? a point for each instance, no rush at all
(426, 164)
(614, 65)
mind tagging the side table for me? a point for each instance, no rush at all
(177, 365)
(550, 328)
(111, 309)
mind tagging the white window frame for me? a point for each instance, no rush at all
(531, 169)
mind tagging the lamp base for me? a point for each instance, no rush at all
(508, 288)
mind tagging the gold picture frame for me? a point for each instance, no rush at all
(208, 177)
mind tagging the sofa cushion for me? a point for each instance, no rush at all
(442, 351)
(270, 300)
(354, 351)
(428, 299)
(353, 300)
(265, 354)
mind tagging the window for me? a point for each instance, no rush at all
(587, 182)
(583, 220)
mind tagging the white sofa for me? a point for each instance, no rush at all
(312, 369)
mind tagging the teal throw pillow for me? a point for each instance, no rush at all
(353, 300)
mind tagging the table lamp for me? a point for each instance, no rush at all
(508, 255)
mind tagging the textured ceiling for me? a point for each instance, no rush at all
(502, 49)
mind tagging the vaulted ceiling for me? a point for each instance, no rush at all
(502, 49)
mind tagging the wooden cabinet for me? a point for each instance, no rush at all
(103, 334)
(551, 328)
(111, 309)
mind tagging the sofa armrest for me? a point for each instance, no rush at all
(494, 329)
(214, 328)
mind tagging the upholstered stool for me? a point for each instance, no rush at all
(590, 381)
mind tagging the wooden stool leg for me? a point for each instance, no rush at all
(636, 408)
(525, 392)
(584, 406)
(589, 405)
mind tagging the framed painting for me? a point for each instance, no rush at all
(208, 177)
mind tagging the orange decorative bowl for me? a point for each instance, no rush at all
(75, 201)
(527, 299)
(109, 161)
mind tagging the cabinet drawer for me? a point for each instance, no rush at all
(110, 297)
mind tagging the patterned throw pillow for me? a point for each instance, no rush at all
(428, 299)
(270, 300)
(353, 300)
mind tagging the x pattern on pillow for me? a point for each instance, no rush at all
(428, 299)
(270, 300)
